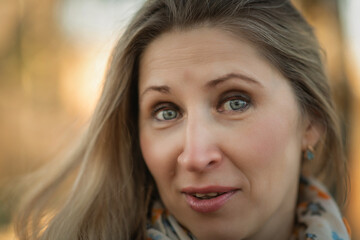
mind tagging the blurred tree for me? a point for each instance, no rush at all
(30, 47)
(29, 75)
(325, 16)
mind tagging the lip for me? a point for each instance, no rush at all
(208, 205)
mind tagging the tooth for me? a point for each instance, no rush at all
(200, 195)
(212, 194)
(206, 195)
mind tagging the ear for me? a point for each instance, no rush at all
(313, 131)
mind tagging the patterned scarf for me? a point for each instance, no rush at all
(317, 218)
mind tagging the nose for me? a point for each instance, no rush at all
(201, 150)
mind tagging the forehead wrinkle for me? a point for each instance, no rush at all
(177, 60)
(174, 55)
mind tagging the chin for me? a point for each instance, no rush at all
(221, 234)
(220, 229)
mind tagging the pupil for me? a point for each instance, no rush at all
(237, 104)
(169, 114)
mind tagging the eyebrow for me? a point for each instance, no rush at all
(162, 89)
(215, 82)
(211, 84)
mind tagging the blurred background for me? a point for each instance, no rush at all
(53, 55)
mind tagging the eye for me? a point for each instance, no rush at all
(165, 112)
(235, 105)
(238, 103)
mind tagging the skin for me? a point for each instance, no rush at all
(194, 78)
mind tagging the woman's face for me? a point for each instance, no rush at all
(221, 133)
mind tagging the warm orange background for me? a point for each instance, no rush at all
(53, 55)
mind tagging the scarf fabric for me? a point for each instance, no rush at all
(317, 218)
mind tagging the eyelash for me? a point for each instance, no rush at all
(163, 106)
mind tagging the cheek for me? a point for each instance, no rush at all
(159, 152)
(269, 149)
(271, 138)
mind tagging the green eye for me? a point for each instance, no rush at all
(235, 105)
(166, 114)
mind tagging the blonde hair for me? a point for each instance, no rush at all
(113, 190)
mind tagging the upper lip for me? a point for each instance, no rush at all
(208, 189)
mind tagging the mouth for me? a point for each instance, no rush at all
(208, 199)
(204, 196)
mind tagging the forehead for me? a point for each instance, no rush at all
(200, 53)
(188, 43)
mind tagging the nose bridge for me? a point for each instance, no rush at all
(200, 148)
(197, 133)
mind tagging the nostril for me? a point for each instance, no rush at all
(215, 159)
(212, 163)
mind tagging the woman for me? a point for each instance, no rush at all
(214, 123)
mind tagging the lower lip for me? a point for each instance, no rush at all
(208, 205)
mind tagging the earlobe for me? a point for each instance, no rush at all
(312, 134)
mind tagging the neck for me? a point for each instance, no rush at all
(280, 232)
